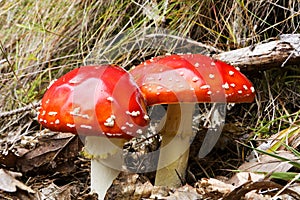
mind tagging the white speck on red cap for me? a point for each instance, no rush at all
(225, 86)
(70, 125)
(128, 124)
(195, 79)
(111, 99)
(231, 73)
(52, 113)
(204, 87)
(211, 76)
(133, 113)
(86, 126)
(110, 122)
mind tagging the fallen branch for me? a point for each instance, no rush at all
(280, 52)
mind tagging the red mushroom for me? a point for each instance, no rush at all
(181, 81)
(99, 102)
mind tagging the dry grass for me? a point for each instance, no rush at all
(41, 40)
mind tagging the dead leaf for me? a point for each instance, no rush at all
(129, 186)
(186, 192)
(53, 152)
(213, 188)
(214, 185)
(287, 136)
(266, 163)
(9, 183)
(55, 192)
(269, 188)
(295, 187)
(8, 158)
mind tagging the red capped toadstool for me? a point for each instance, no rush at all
(181, 81)
(99, 102)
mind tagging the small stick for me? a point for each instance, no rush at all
(20, 110)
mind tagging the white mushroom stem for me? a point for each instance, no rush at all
(106, 162)
(177, 136)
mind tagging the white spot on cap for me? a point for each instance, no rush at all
(225, 86)
(146, 117)
(159, 87)
(52, 113)
(51, 83)
(123, 127)
(237, 68)
(110, 99)
(245, 87)
(211, 76)
(197, 64)
(57, 121)
(133, 113)
(128, 124)
(71, 125)
(75, 80)
(157, 93)
(48, 100)
(86, 126)
(75, 111)
(252, 89)
(45, 121)
(231, 73)
(108, 134)
(192, 88)
(232, 85)
(168, 54)
(213, 63)
(204, 87)
(139, 131)
(209, 92)
(195, 79)
(41, 120)
(110, 122)
(129, 133)
(181, 73)
(240, 91)
(43, 113)
(170, 79)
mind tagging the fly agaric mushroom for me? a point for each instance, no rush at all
(181, 81)
(99, 102)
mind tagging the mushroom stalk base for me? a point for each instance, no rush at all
(106, 162)
(177, 136)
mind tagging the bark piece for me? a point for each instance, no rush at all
(277, 53)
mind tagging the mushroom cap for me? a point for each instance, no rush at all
(191, 78)
(94, 101)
